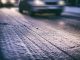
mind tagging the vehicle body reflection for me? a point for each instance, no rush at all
(7, 3)
(42, 6)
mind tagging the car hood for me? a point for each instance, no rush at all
(51, 0)
(48, 0)
(31, 2)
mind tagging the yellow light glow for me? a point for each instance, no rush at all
(12, 1)
(61, 3)
(38, 3)
(4, 1)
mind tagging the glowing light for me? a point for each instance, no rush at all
(61, 3)
(4, 1)
(38, 2)
(12, 1)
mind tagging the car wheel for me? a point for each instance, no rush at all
(31, 13)
(1, 5)
(20, 10)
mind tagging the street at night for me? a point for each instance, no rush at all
(23, 37)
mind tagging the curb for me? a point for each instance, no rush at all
(71, 15)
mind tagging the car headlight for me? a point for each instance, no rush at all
(61, 3)
(38, 3)
(4, 1)
(12, 1)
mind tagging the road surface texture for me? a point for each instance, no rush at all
(38, 38)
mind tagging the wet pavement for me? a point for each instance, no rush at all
(38, 38)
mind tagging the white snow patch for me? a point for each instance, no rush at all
(72, 9)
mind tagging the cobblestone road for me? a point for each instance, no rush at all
(26, 38)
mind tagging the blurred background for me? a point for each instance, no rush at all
(16, 2)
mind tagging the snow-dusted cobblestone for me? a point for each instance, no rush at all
(27, 39)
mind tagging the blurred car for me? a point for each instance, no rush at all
(1, 5)
(7, 3)
(42, 6)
